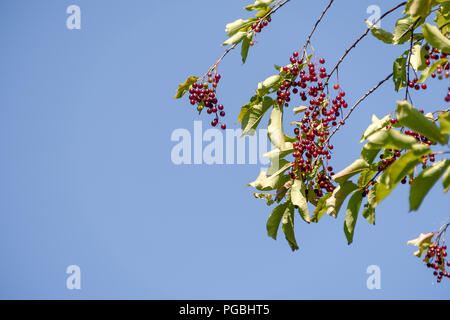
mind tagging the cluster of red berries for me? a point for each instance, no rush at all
(413, 84)
(420, 138)
(204, 96)
(441, 72)
(314, 128)
(260, 24)
(387, 159)
(435, 54)
(435, 259)
(324, 182)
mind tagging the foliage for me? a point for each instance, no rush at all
(399, 148)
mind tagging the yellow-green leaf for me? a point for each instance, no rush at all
(275, 127)
(436, 38)
(268, 183)
(444, 122)
(356, 167)
(410, 117)
(334, 203)
(351, 215)
(424, 182)
(376, 125)
(273, 223)
(298, 197)
(321, 208)
(420, 8)
(236, 38)
(446, 180)
(184, 87)
(288, 226)
(423, 242)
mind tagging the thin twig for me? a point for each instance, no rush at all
(274, 9)
(315, 27)
(409, 57)
(368, 93)
(359, 39)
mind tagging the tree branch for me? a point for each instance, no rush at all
(315, 26)
(274, 9)
(368, 93)
(358, 40)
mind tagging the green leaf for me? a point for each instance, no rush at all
(399, 74)
(273, 223)
(372, 196)
(420, 8)
(263, 12)
(380, 34)
(418, 57)
(392, 139)
(233, 27)
(442, 17)
(369, 152)
(402, 27)
(259, 4)
(376, 125)
(426, 73)
(254, 100)
(265, 196)
(444, 122)
(446, 180)
(410, 117)
(254, 114)
(436, 38)
(289, 139)
(356, 167)
(298, 197)
(184, 87)
(423, 242)
(246, 46)
(403, 166)
(339, 195)
(288, 226)
(424, 182)
(351, 215)
(321, 208)
(272, 182)
(236, 38)
(369, 215)
(276, 154)
(270, 83)
(312, 196)
(365, 177)
(275, 165)
(275, 127)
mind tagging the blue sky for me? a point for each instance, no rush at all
(87, 179)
